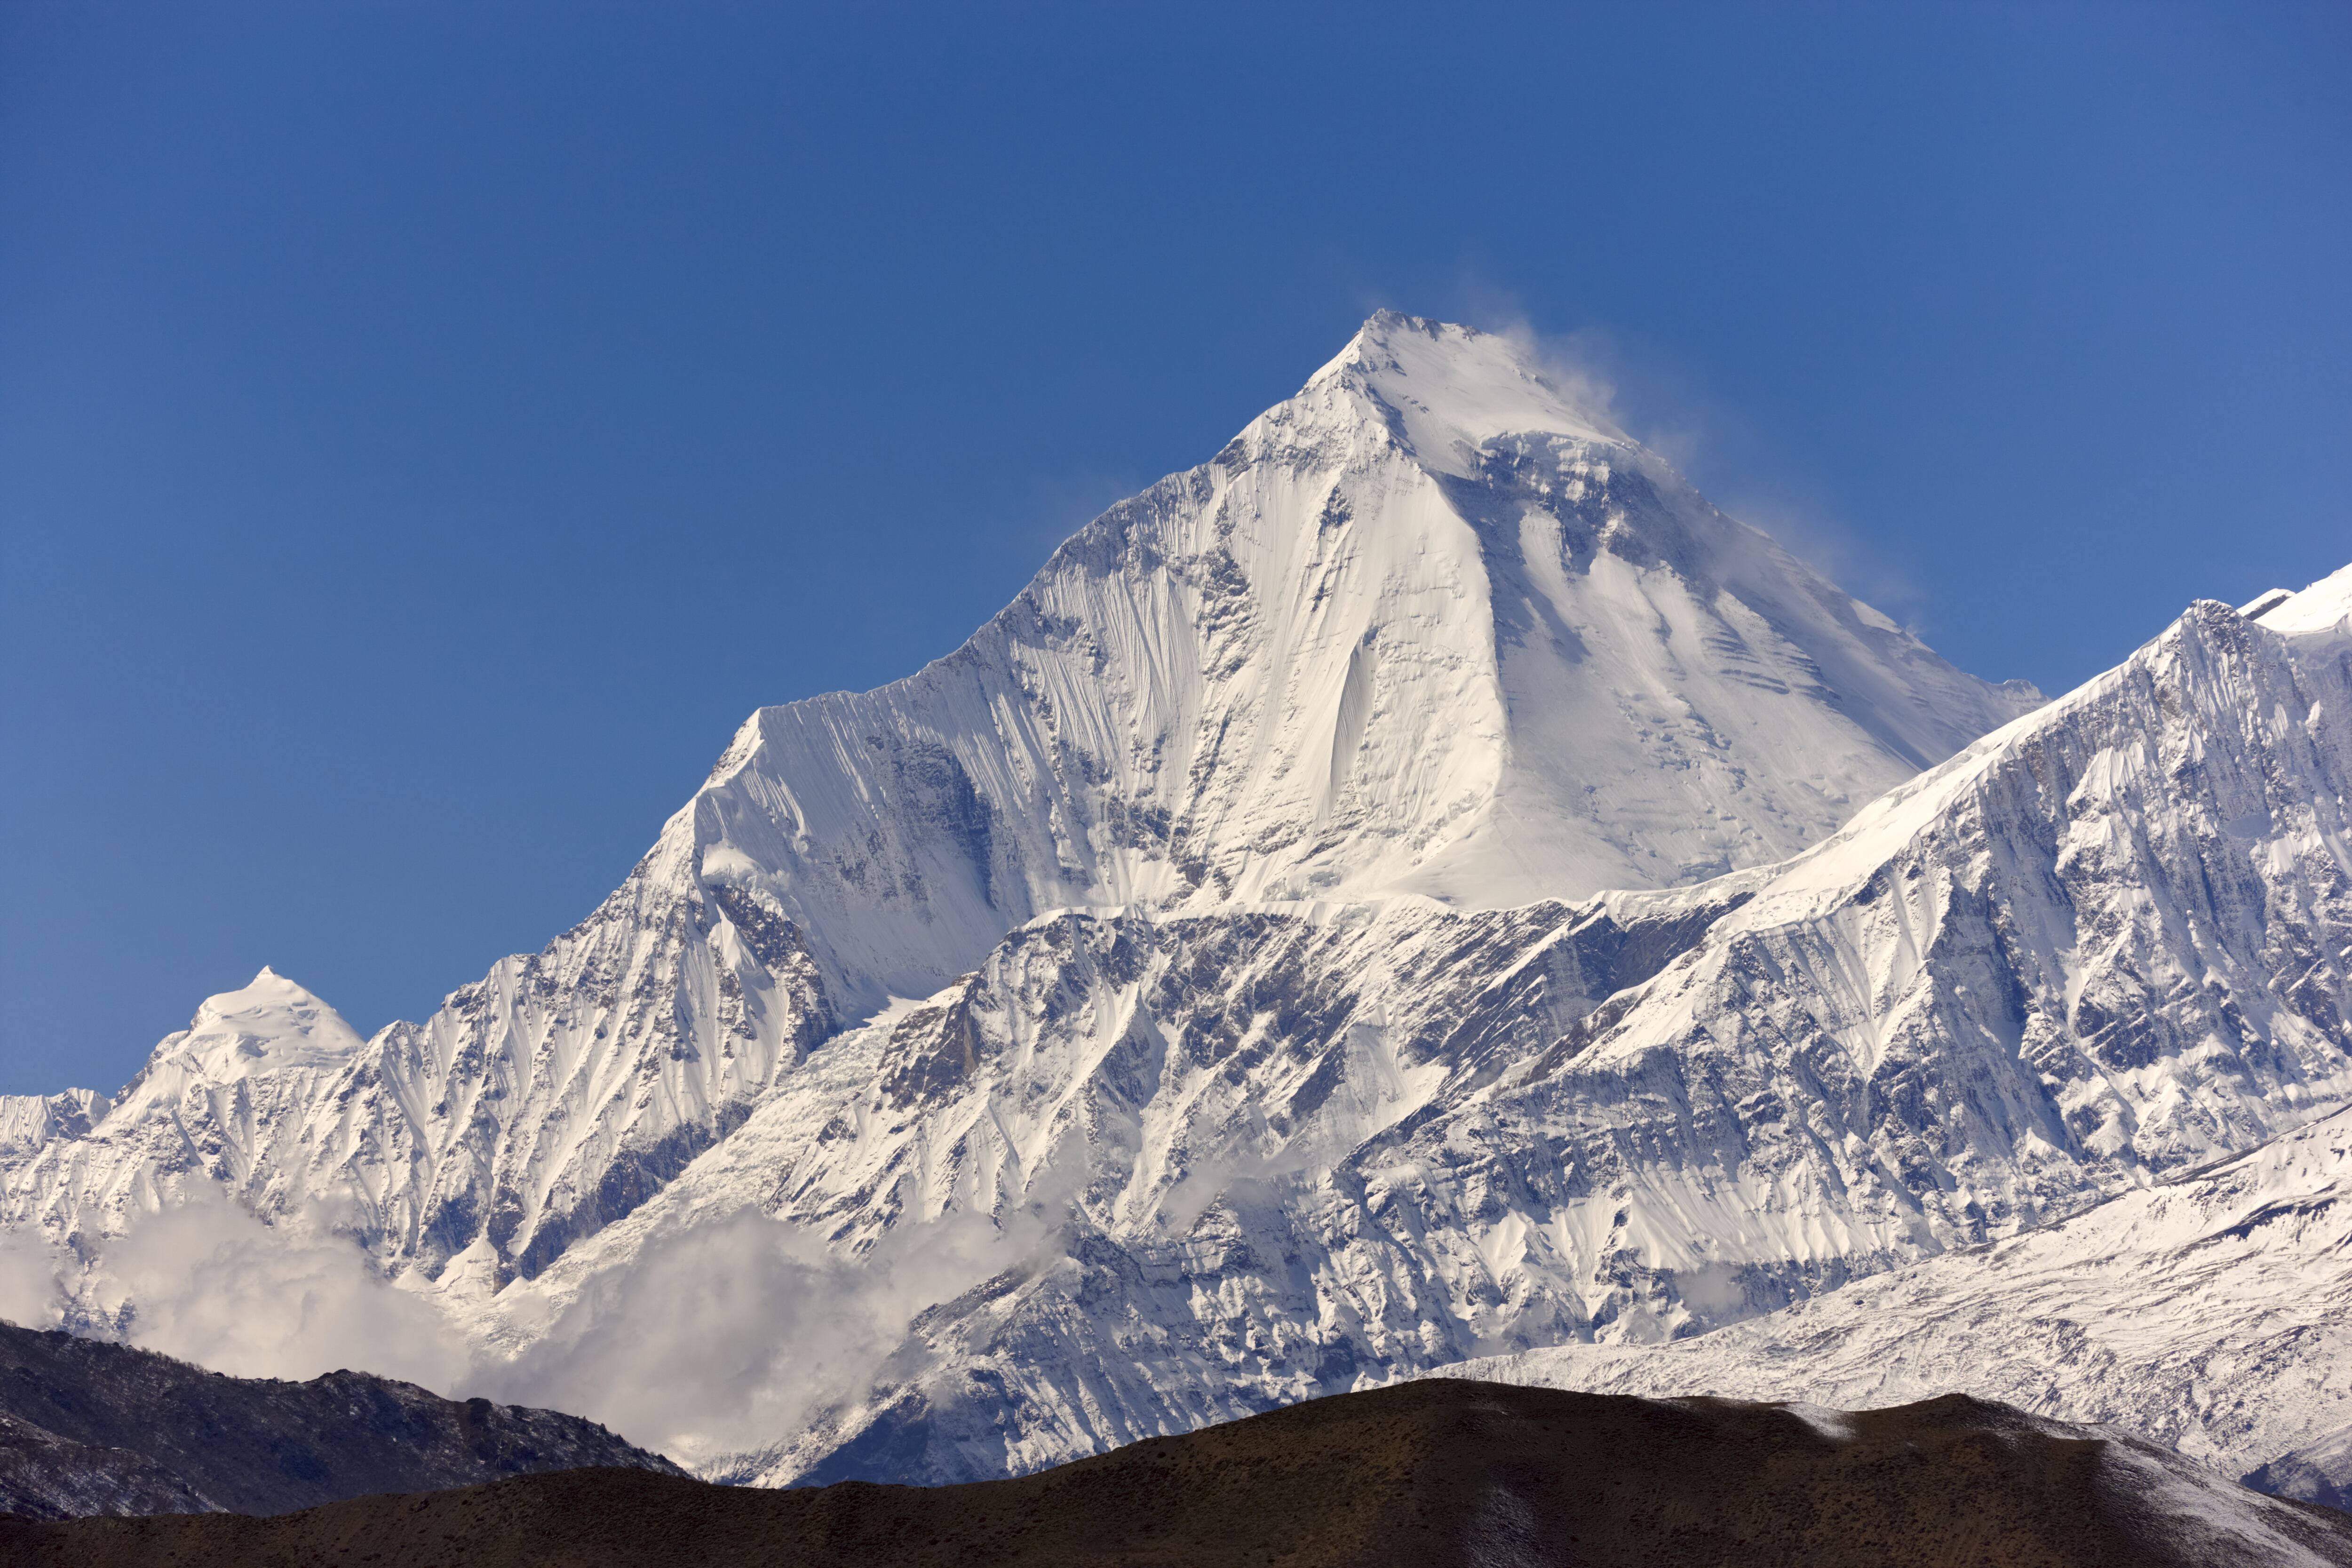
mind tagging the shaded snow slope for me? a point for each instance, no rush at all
(2213, 1313)
(2318, 1472)
(1427, 629)
(1279, 1149)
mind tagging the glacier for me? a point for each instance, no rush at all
(1422, 885)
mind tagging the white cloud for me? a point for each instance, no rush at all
(723, 1338)
(208, 1282)
(717, 1338)
(30, 1293)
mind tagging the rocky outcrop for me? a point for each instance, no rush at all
(92, 1428)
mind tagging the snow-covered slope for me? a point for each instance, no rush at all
(28, 1122)
(2213, 1313)
(1427, 629)
(1287, 1148)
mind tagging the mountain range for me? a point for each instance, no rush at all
(1422, 887)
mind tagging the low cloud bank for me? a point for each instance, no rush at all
(718, 1338)
(30, 1293)
(206, 1281)
(725, 1338)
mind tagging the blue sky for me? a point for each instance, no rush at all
(427, 430)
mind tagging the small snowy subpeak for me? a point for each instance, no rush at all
(268, 1027)
(260, 1056)
(540, 1104)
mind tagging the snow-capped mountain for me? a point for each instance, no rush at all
(1421, 886)
(1427, 627)
(2102, 947)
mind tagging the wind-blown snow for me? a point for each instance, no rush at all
(2322, 606)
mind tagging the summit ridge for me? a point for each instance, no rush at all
(1448, 389)
(1422, 628)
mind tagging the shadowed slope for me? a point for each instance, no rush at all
(1428, 1473)
(87, 1427)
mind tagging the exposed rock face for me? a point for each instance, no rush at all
(44, 1476)
(92, 1428)
(28, 1122)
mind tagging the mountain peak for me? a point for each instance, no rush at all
(1447, 390)
(1429, 630)
(270, 1024)
(1431, 627)
(2319, 607)
(268, 991)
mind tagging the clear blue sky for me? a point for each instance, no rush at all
(427, 429)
